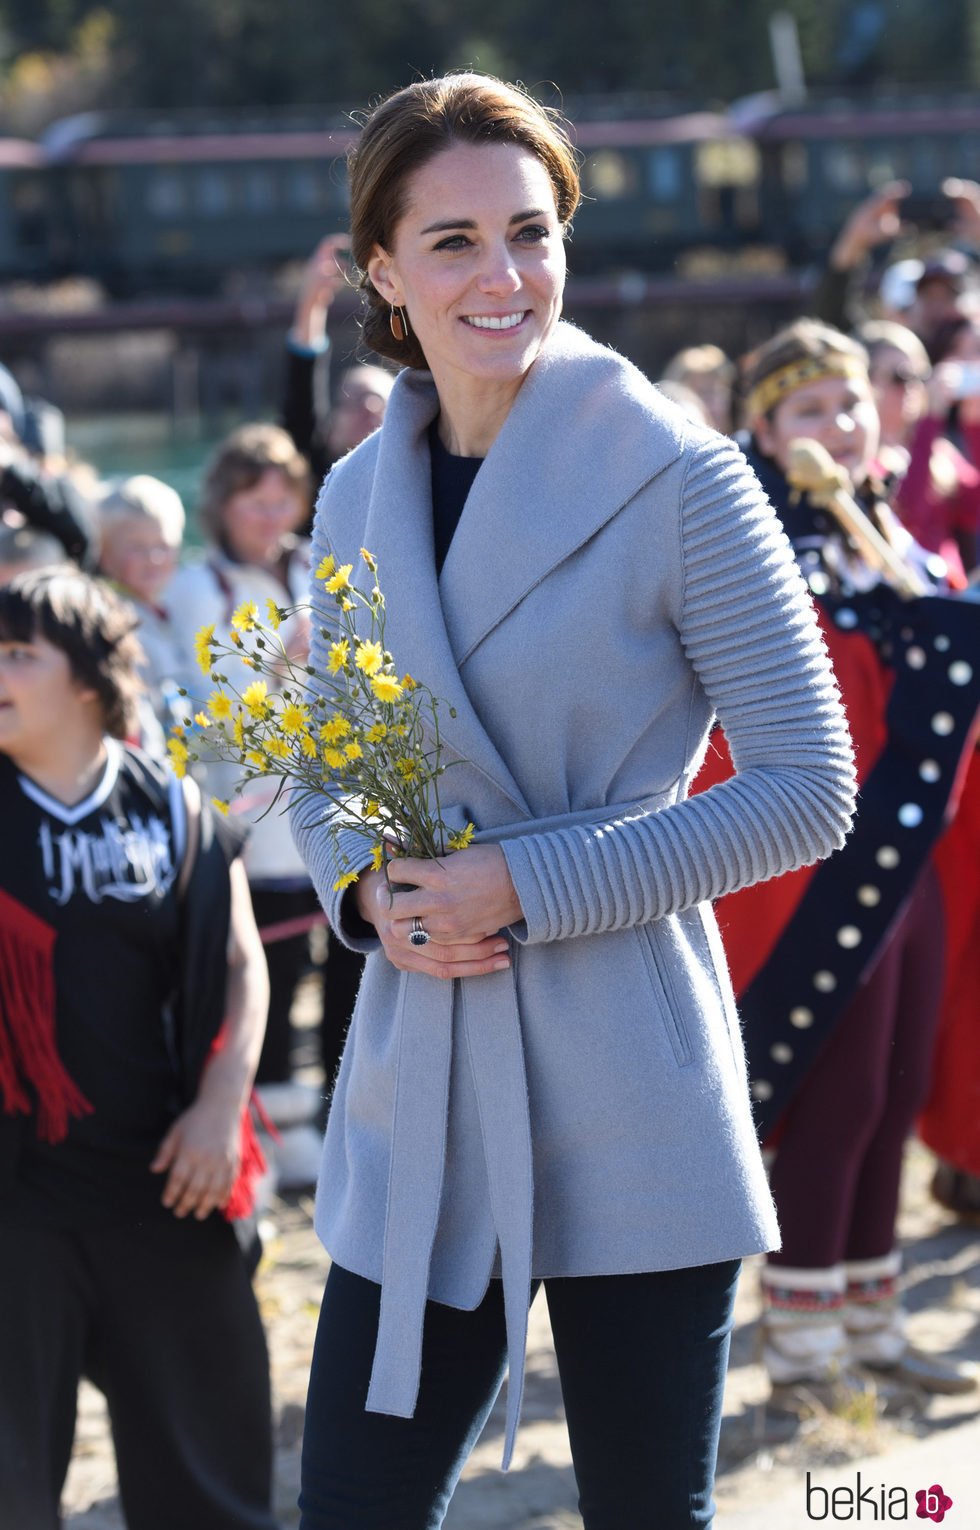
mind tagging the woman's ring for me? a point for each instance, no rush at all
(419, 935)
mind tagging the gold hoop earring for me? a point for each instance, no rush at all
(398, 322)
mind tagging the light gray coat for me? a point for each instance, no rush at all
(617, 580)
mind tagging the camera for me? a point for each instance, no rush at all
(928, 211)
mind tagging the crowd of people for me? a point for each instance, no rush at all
(788, 549)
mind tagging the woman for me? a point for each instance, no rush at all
(126, 1062)
(551, 1086)
(839, 971)
(939, 497)
(254, 499)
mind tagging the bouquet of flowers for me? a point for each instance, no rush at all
(365, 739)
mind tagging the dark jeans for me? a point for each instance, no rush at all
(642, 1363)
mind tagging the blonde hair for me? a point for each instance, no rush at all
(143, 497)
(700, 361)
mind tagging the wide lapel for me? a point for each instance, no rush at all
(586, 432)
(398, 532)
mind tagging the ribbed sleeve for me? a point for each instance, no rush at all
(326, 855)
(748, 628)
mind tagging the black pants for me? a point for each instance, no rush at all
(642, 1362)
(163, 1319)
(287, 961)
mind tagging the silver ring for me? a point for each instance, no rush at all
(419, 935)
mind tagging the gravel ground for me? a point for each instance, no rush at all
(761, 1457)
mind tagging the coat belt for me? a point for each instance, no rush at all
(491, 1030)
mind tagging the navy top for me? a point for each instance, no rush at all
(452, 480)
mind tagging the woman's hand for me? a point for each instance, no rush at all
(463, 901)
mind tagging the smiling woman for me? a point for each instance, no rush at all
(550, 1085)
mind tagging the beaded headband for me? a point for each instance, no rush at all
(785, 380)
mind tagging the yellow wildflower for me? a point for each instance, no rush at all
(369, 560)
(369, 657)
(238, 729)
(461, 838)
(219, 705)
(353, 750)
(334, 729)
(277, 748)
(202, 648)
(334, 758)
(338, 655)
(308, 746)
(273, 614)
(221, 806)
(377, 857)
(325, 568)
(345, 880)
(235, 637)
(406, 768)
(246, 616)
(341, 579)
(347, 605)
(256, 698)
(376, 734)
(409, 683)
(371, 808)
(202, 719)
(386, 687)
(177, 750)
(255, 757)
(294, 717)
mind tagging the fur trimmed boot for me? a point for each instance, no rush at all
(804, 1342)
(875, 1323)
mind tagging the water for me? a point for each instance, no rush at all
(123, 444)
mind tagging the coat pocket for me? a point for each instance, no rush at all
(662, 983)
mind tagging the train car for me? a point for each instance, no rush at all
(195, 203)
(158, 204)
(655, 188)
(818, 161)
(25, 211)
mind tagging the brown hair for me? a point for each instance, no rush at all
(239, 462)
(803, 340)
(409, 129)
(91, 625)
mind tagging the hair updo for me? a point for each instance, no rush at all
(410, 128)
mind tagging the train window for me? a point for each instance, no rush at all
(259, 191)
(968, 155)
(212, 192)
(30, 205)
(842, 167)
(888, 162)
(926, 169)
(726, 162)
(664, 173)
(609, 175)
(165, 194)
(303, 189)
(796, 166)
